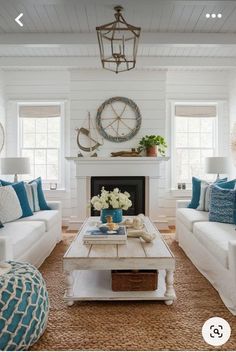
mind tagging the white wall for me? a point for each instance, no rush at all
(41, 85)
(89, 89)
(2, 106)
(232, 115)
(195, 86)
(86, 90)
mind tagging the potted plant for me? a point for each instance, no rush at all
(111, 204)
(153, 144)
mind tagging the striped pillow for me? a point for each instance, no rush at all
(32, 195)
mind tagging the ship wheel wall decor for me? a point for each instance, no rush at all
(118, 119)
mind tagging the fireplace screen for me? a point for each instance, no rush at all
(134, 185)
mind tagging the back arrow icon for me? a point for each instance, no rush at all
(17, 19)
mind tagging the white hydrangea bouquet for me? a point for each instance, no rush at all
(111, 200)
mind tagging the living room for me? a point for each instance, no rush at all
(148, 117)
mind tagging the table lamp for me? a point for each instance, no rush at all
(15, 166)
(216, 165)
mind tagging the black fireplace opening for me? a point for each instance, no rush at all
(134, 185)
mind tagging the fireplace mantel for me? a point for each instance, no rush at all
(117, 166)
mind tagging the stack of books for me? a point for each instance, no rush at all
(95, 235)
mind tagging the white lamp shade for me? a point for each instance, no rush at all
(12, 166)
(216, 165)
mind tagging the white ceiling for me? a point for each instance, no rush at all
(73, 16)
(66, 28)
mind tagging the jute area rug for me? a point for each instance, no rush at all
(133, 325)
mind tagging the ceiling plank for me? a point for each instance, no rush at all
(93, 62)
(178, 39)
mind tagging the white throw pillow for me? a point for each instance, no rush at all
(10, 208)
(204, 186)
(32, 195)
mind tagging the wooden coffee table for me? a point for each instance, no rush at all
(88, 267)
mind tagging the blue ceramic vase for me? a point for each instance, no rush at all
(115, 213)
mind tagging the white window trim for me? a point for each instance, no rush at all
(219, 123)
(62, 167)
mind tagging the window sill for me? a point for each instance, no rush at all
(56, 192)
(179, 193)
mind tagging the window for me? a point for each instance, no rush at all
(40, 140)
(194, 139)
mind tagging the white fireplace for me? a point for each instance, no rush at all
(148, 167)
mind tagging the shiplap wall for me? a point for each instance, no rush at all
(195, 86)
(90, 88)
(41, 85)
(85, 90)
(232, 120)
(2, 105)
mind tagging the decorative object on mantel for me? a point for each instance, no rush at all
(118, 43)
(93, 144)
(153, 144)
(126, 153)
(118, 119)
(111, 204)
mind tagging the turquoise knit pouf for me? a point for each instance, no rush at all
(24, 307)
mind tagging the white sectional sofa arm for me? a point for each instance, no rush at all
(54, 205)
(6, 252)
(232, 258)
(182, 203)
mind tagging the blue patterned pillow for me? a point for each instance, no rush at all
(222, 205)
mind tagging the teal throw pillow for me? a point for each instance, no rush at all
(196, 191)
(228, 185)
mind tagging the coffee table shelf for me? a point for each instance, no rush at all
(95, 285)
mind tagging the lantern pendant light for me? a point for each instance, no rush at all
(118, 43)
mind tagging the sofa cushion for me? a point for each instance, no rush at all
(23, 235)
(190, 216)
(215, 238)
(49, 217)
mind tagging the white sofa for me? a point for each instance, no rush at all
(33, 238)
(211, 246)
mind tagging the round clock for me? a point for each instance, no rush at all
(118, 119)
